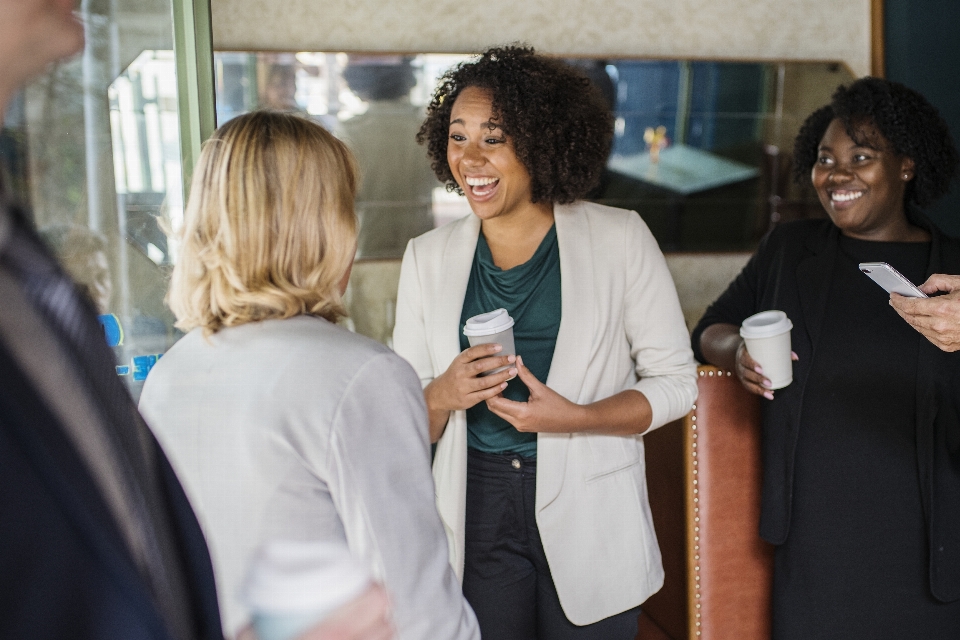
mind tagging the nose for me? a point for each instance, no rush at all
(472, 155)
(840, 174)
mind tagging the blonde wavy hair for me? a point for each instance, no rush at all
(270, 229)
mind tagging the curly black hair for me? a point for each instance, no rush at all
(909, 123)
(559, 122)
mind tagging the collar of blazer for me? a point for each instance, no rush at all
(571, 356)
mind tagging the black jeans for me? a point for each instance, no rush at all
(506, 578)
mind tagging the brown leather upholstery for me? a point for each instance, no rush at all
(666, 485)
(718, 570)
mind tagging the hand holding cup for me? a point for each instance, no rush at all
(479, 373)
(764, 359)
(494, 327)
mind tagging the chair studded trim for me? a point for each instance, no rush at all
(729, 567)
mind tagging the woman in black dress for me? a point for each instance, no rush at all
(860, 482)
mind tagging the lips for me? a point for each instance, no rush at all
(841, 199)
(481, 187)
(845, 196)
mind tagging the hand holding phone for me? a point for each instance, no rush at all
(890, 279)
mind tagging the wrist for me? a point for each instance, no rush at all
(579, 417)
(433, 398)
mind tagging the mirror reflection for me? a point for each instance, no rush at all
(702, 149)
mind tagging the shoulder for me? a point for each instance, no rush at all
(801, 229)
(607, 226)
(598, 213)
(302, 348)
(427, 249)
(949, 248)
(436, 239)
(794, 236)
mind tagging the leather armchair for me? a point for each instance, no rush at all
(704, 483)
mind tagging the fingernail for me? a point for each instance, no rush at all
(758, 369)
(767, 383)
(768, 395)
(519, 361)
(511, 358)
(512, 372)
(503, 385)
(497, 347)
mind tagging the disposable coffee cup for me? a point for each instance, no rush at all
(492, 327)
(767, 336)
(292, 586)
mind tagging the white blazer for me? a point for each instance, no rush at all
(622, 328)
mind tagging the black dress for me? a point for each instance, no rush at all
(857, 531)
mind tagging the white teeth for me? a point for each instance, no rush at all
(845, 196)
(480, 182)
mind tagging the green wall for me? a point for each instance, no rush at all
(922, 50)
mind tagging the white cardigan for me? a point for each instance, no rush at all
(300, 430)
(622, 328)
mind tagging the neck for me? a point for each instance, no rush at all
(901, 230)
(514, 239)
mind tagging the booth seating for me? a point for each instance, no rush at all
(703, 474)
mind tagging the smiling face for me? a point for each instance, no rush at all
(483, 160)
(861, 185)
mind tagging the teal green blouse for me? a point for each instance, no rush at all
(530, 292)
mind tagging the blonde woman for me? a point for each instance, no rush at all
(281, 424)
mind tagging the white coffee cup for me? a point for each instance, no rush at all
(292, 586)
(767, 336)
(492, 327)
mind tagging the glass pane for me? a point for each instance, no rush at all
(701, 149)
(93, 149)
(374, 102)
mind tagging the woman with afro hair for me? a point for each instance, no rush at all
(539, 468)
(861, 484)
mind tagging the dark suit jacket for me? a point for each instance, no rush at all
(65, 571)
(789, 272)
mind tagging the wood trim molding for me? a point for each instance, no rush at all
(877, 53)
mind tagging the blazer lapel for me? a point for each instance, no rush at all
(456, 264)
(572, 352)
(813, 277)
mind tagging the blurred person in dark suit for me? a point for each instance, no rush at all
(96, 537)
(97, 540)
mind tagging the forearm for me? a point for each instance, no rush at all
(626, 413)
(719, 344)
(438, 417)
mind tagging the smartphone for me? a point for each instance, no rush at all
(890, 279)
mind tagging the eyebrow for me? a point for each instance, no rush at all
(488, 124)
(856, 145)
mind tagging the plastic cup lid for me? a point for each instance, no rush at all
(291, 576)
(765, 325)
(487, 324)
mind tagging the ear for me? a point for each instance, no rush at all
(907, 169)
